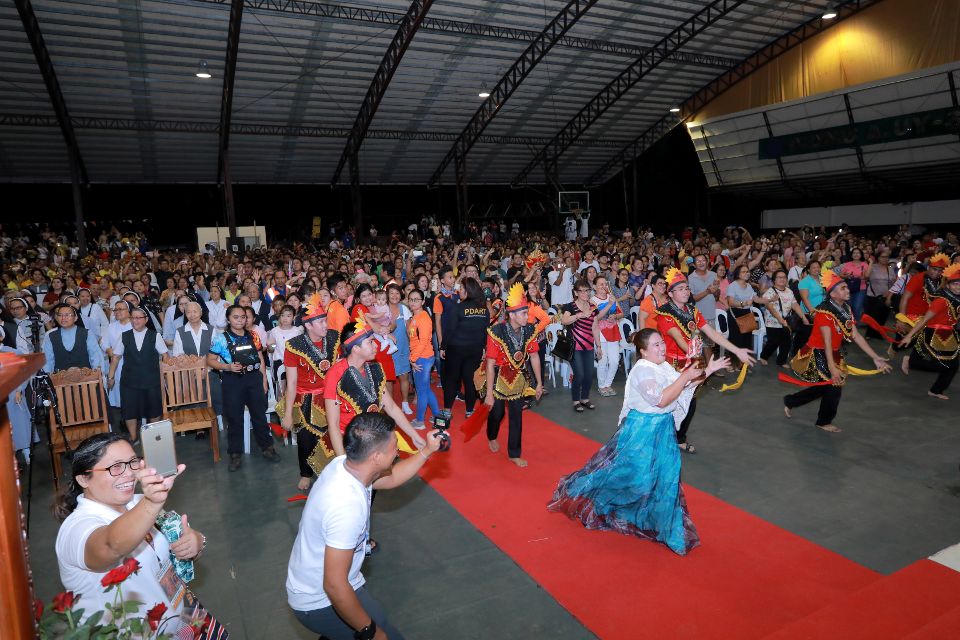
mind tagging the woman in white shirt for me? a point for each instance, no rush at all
(632, 484)
(781, 306)
(217, 308)
(277, 341)
(105, 524)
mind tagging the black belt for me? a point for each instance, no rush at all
(250, 368)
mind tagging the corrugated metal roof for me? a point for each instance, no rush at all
(131, 64)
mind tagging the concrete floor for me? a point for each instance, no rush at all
(884, 493)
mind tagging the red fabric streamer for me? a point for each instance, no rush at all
(297, 498)
(801, 383)
(278, 431)
(475, 423)
(873, 324)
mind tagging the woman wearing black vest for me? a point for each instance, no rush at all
(141, 349)
(70, 345)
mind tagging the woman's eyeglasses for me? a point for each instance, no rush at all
(117, 468)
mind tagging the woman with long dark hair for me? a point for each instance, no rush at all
(581, 316)
(463, 344)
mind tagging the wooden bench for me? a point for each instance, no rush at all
(83, 412)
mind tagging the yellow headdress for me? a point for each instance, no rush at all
(940, 260)
(952, 272)
(314, 308)
(674, 277)
(535, 258)
(362, 332)
(829, 279)
(517, 298)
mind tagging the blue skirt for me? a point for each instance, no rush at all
(632, 485)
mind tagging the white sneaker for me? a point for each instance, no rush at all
(418, 425)
(406, 408)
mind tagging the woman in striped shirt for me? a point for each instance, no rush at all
(581, 316)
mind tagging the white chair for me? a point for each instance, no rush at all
(627, 348)
(723, 328)
(760, 333)
(635, 315)
(549, 361)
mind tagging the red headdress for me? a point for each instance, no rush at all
(674, 277)
(314, 309)
(952, 273)
(940, 260)
(362, 333)
(829, 279)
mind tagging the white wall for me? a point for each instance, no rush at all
(865, 215)
(253, 236)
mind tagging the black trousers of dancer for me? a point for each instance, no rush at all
(685, 425)
(778, 341)
(945, 370)
(306, 441)
(458, 368)
(241, 391)
(829, 396)
(514, 410)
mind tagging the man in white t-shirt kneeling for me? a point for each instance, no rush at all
(325, 587)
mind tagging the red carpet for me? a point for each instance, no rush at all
(748, 579)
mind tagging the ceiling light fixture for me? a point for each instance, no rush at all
(675, 110)
(484, 93)
(202, 70)
(830, 12)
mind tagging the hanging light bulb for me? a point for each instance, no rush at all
(484, 93)
(202, 70)
(675, 110)
(830, 12)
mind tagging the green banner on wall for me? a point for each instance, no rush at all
(924, 124)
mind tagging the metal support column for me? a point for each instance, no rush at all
(78, 171)
(356, 200)
(463, 203)
(226, 109)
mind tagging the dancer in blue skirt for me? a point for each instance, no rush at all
(632, 484)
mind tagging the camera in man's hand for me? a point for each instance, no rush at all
(441, 424)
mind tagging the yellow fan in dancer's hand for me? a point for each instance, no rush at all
(739, 382)
(402, 444)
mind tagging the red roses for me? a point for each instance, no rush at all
(155, 615)
(64, 601)
(121, 573)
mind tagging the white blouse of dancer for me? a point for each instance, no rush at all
(644, 390)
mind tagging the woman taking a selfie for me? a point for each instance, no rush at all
(106, 523)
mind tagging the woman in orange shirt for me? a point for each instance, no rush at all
(648, 317)
(536, 316)
(420, 331)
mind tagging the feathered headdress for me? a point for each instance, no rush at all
(674, 277)
(940, 260)
(829, 279)
(314, 309)
(535, 258)
(952, 272)
(363, 331)
(517, 298)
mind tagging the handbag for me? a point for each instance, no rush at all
(563, 348)
(793, 321)
(746, 323)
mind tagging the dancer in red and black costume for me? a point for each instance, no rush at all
(937, 345)
(307, 358)
(820, 364)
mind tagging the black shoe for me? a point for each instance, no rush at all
(201, 435)
(271, 454)
(235, 462)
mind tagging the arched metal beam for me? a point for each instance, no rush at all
(378, 86)
(550, 154)
(724, 81)
(226, 110)
(444, 25)
(516, 74)
(78, 171)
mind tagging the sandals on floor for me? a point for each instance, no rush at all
(686, 447)
(578, 407)
(587, 404)
(371, 548)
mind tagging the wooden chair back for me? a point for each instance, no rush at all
(184, 382)
(80, 396)
(82, 404)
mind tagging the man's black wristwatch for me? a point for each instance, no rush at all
(367, 633)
